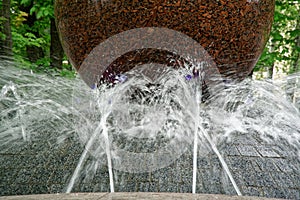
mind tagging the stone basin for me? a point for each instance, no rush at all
(133, 196)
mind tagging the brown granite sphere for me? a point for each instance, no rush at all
(233, 32)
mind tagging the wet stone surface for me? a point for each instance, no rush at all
(264, 170)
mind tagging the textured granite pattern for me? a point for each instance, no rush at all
(264, 170)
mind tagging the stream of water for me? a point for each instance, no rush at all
(142, 125)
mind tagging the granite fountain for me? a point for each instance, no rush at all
(162, 104)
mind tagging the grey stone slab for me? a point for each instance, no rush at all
(203, 162)
(252, 191)
(296, 180)
(267, 164)
(16, 160)
(267, 152)
(234, 163)
(99, 187)
(184, 188)
(241, 164)
(87, 188)
(282, 193)
(249, 179)
(226, 185)
(39, 188)
(250, 138)
(101, 178)
(185, 178)
(7, 176)
(283, 152)
(212, 189)
(199, 187)
(57, 158)
(276, 192)
(24, 176)
(292, 194)
(215, 162)
(231, 151)
(4, 191)
(51, 169)
(133, 196)
(56, 188)
(294, 163)
(283, 165)
(255, 166)
(18, 189)
(246, 150)
(264, 179)
(150, 186)
(59, 175)
(41, 176)
(283, 180)
(172, 187)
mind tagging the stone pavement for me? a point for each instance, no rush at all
(259, 169)
(132, 196)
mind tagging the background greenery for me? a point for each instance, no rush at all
(283, 48)
(28, 34)
(35, 42)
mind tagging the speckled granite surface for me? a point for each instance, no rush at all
(259, 169)
(133, 196)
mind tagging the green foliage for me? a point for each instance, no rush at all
(42, 66)
(282, 46)
(67, 71)
(2, 35)
(43, 9)
(23, 34)
(37, 35)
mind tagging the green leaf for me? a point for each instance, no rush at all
(294, 33)
(33, 10)
(25, 2)
(46, 12)
(277, 36)
(39, 14)
(30, 35)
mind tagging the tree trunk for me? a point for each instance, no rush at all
(6, 42)
(297, 62)
(33, 52)
(56, 50)
(270, 71)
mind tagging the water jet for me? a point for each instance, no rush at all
(54, 142)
